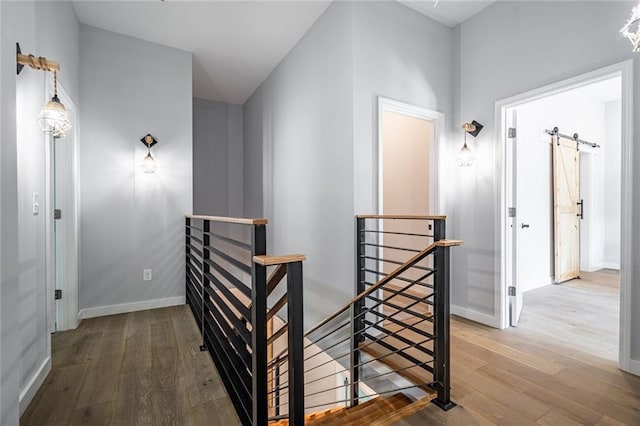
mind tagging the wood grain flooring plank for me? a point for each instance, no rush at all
(171, 405)
(568, 407)
(58, 397)
(101, 381)
(557, 418)
(137, 351)
(95, 415)
(608, 421)
(134, 399)
(219, 411)
(494, 411)
(202, 382)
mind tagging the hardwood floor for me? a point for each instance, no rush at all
(138, 368)
(558, 367)
(145, 368)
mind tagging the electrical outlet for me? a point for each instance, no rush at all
(147, 275)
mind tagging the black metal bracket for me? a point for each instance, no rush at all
(203, 348)
(148, 140)
(19, 66)
(477, 130)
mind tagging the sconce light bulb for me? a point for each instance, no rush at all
(53, 118)
(148, 165)
(465, 157)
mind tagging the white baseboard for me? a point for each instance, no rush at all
(476, 316)
(600, 266)
(101, 311)
(34, 384)
(615, 266)
(634, 367)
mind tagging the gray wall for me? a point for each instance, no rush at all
(510, 48)
(9, 291)
(217, 158)
(131, 220)
(314, 120)
(402, 55)
(51, 30)
(252, 131)
(301, 120)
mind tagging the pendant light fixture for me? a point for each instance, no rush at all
(631, 30)
(465, 156)
(53, 117)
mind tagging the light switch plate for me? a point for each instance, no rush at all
(36, 204)
(147, 274)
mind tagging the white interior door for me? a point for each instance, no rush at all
(566, 208)
(514, 291)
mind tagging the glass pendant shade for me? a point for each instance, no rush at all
(465, 157)
(53, 118)
(631, 30)
(149, 164)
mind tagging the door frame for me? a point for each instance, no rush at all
(69, 304)
(625, 71)
(437, 118)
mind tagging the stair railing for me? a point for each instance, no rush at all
(401, 310)
(228, 292)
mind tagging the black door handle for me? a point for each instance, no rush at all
(524, 225)
(581, 214)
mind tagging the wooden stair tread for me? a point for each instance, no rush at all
(363, 414)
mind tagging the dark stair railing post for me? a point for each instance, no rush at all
(259, 328)
(438, 230)
(442, 367)
(295, 335)
(357, 321)
(206, 241)
(187, 251)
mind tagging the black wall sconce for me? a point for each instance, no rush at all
(148, 164)
(466, 157)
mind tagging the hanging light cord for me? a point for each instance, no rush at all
(55, 83)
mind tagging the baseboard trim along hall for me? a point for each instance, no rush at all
(476, 316)
(101, 311)
(34, 384)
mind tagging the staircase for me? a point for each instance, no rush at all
(380, 357)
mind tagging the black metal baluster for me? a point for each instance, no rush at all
(295, 334)
(260, 410)
(187, 250)
(442, 365)
(357, 320)
(205, 280)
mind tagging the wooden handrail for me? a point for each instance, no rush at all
(449, 243)
(279, 260)
(419, 256)
(406, 217)
(274, 279)
(391, 276)
(237, 220)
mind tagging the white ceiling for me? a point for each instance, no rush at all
(448, 12)
(235, 44)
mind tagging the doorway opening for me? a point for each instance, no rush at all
(407, 176)
(566, 209)
(62, 221)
